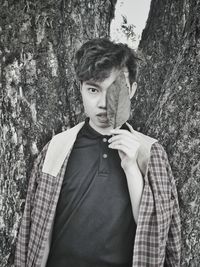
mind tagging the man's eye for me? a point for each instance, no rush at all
(92, 90)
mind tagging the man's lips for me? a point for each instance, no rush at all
(102, 114)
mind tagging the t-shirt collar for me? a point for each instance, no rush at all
(92, 133)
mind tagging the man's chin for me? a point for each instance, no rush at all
(104, 126)
(101, 124)
(102, 119)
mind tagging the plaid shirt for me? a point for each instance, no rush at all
(157, 240)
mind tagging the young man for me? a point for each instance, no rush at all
(100, 196)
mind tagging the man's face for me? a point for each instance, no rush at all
(94, 101)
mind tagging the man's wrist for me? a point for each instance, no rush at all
(133, 174)
(132, 168)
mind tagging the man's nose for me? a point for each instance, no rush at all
(102, 101)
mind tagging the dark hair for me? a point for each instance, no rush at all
(97, 57)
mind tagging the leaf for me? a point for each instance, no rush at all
(118, 102)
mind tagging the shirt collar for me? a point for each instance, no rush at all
(91, 133)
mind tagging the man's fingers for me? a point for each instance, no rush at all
(117, 142)
(126, 140)
(121, 132)
(122, 148)
(115, 138)
(122, 136)
(128, 149)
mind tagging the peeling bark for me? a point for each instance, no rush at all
(39, 95)
(167, 104)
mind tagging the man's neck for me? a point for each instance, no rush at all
(103, 131)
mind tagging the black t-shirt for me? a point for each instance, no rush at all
(94, 224)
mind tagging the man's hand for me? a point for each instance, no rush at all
(127, 145)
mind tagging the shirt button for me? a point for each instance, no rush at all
(105, 156)
(104, 140)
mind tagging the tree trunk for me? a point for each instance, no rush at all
(167, 104)
(39, 94)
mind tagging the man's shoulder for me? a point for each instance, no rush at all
(146, 139)
(146, 142)
(152, 143)
(59, 136)
(59, 147)
(71, 131)
(158, 150)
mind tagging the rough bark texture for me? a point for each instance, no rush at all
(39, 95)
(167, 104)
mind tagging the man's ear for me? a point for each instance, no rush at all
(133, 89)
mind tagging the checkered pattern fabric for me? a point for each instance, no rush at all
(158, 234)
(157, 241)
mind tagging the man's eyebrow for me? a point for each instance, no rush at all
(93, 84)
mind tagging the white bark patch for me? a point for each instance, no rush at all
(33, 111)
(52, 61)
(41, 30)
(34, 149)
(21, 92)
(5, 131)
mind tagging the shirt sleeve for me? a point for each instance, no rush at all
(24, 230)
(173, 248)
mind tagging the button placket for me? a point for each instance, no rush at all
(105, 147)
(103, 166)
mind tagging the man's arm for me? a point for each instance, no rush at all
(173, 248)
(135, 184)
(165, 184)
(127, 145)
(24, 231)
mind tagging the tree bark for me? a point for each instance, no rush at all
(39, 94)
(167, 104)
